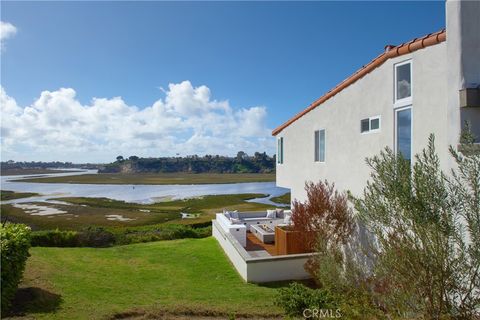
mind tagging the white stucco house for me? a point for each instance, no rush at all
(427, 85)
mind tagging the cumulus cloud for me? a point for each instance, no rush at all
(186, 121)
(7, 30)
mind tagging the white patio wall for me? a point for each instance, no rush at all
(265, 269)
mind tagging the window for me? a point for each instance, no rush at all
(319, 145)
(403, 132)
(403, 81)
(280, 151)
(371, 124)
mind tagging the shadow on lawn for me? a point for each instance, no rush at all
(282, 284)
(34, 300)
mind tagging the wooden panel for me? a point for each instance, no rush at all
(288, 242)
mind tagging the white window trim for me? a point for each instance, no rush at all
(280, 159)
(395, 143)
(370, 125)
(405, 101)
(325, 153)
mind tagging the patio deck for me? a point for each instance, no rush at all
(253, 244)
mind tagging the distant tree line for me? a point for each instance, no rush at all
(242, 163)
(10, 164)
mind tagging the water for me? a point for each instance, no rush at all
(132, 193)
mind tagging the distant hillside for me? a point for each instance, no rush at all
(242, 163)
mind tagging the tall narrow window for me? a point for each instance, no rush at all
(280, 151)
(404, 132)
(403, 81)
(320, 145)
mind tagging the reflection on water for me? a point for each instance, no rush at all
(130, 193)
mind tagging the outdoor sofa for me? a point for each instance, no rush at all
(238, 223)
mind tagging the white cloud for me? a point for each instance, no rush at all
(187, 121)
(7, 30)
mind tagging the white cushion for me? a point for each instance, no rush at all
(287, 219)
(271, 214)
(256, 219)
(234, 214)
(235, 221)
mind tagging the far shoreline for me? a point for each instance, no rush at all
(179, 178)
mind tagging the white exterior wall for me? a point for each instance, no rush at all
(340, 116)
(265, 269)
(463, 51)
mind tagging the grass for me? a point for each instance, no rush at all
(160, 178)
(284, 199)
(84, 212)
(10, 195)
(192, 274)
(20, 171)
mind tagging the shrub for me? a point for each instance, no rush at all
(325, 215)
(296, 298)
(55, 238)
(427, 226)
(159, 232)
(100, 237)
(95, 237)
(15, 242)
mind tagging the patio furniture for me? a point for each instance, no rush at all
(263, 232)
(237, 223)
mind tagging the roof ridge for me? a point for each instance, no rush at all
(399, 50)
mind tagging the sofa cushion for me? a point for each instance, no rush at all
(227, 214)
(287, 219)
(256, 219)
(235, 221)
(279, 212)
(234, 214)
(271, 214)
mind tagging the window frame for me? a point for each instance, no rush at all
(370, 130)
(324, 146)
(280, 150)
(395, 128)
(404, 101)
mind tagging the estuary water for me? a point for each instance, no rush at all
(131, 193)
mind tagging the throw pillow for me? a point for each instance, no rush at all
(235, 221)
(227, 214)
(271, 214)
(287, 219)
(279, 211)
(234, 214)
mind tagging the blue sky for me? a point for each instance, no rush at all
(265, 59)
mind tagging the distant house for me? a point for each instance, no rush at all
(427, 85)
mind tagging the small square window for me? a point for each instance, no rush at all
(365, 125)
(370, 124)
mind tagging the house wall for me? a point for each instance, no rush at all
(373, 95)
(463, 51)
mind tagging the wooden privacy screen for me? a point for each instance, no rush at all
(289, 242)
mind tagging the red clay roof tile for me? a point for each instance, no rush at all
(390, 52)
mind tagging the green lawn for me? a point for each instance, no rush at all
(92, 211)
(159, 178)
(87, 283)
